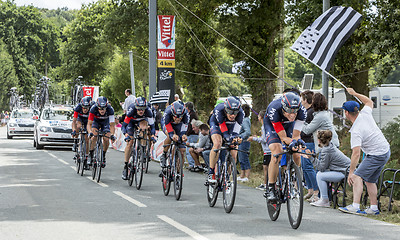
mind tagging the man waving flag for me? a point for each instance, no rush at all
(321, 41)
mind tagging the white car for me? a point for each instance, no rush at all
(21, 122)
(54, 127)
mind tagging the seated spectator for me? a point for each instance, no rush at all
(267, 153)
(332, 166)
(192, 132)
(201, 148)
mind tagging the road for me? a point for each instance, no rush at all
(42, 197)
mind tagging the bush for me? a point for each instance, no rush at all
(392, 133)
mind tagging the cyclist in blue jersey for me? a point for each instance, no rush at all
(138, 115)
(283, 122)
(101, 117)
(174, 124)
(225, 123)
(80, 120)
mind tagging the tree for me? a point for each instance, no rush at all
(354, 58)
(8, 79)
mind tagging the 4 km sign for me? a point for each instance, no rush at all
(166, 54)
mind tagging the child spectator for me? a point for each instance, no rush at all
(332, 166)
(267, 153)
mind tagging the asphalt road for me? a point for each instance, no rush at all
(42, 197)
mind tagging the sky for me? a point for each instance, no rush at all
(53, 4)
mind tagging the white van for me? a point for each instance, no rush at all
(386, 100)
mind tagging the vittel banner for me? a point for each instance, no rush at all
(166, 32)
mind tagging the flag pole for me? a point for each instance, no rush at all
(344, 86)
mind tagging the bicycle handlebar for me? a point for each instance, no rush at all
(291, 152)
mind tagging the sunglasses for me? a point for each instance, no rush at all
(290, 110)
(141, 108)
(232, 112)
(104, 108)
(86, 108)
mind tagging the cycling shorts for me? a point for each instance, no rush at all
(102, 125)
(272, 136)
(132, 126)
(214, 128)
(84, 121)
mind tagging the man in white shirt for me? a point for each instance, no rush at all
(130, 99)
(365, 136)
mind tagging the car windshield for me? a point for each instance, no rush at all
(22, 114)
(51, 114)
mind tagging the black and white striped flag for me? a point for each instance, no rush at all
(160, 97)
(321, 41)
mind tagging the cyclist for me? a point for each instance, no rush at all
(101, 117)
(283, 122)
(80, 120)
(225, 123)
(138, 115)
(174, 124)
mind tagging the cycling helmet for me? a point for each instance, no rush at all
(86, 102)
(101, 102)
(177, 109)
(290, 102)
(232, 105)
(140, 103)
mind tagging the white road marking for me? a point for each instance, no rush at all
(129, 199)
(59, 159)
(100, 183)
(182, 228)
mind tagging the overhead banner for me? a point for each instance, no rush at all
(166, 54)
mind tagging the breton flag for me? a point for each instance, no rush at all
(160, 97)
(321, 41)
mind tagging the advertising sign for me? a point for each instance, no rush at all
(166, 32)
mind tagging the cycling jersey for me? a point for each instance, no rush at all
(275, 121)
(101, 121)
(132, 119)
(220, 124)
(167, 123)
(80, 116)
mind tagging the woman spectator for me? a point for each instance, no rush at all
(332, 166)
(245, 133)
(307, 166)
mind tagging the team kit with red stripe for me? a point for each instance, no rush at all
(275, 121)
(220, 124)
(169, 126)
(80, 115)
(132, 120)
(101, 122)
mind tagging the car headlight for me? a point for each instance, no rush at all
(45, 129)
(13, 125)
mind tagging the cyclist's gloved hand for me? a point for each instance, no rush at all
(292, 144)
(153, 139)
(301, 143)
(73, 133)
(127, 139)
(91, 135)
(113, 138)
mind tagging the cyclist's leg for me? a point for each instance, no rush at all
(143, 126)
(127, 152)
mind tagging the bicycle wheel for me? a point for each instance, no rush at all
(139, 167)
(166, 176)
(147, 158)
(178, 174)
(94, 164)
(100, 160)
(82, 153)
(78, 161)
(212, 191)
(229, 183)
(294, 196)
(131, 168)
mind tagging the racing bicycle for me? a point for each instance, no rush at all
(174, 170)
(80, 154)
(289, 190)
(226, 178)
(98, 156)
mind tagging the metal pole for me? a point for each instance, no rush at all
(132, 73)
(152, 47)
(325, 79)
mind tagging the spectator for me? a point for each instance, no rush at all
(331, 165)
(192, 132)
(2, 118)
(157, 115)
(308, 169)
(118, 121)
(201, 148)
(176, 97)
(130, 99)
(267, 153)
(321, 121)
(245, 133)
(365, 136)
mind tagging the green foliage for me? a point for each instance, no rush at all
(392, 133)
(8, 79)
(231, 85)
